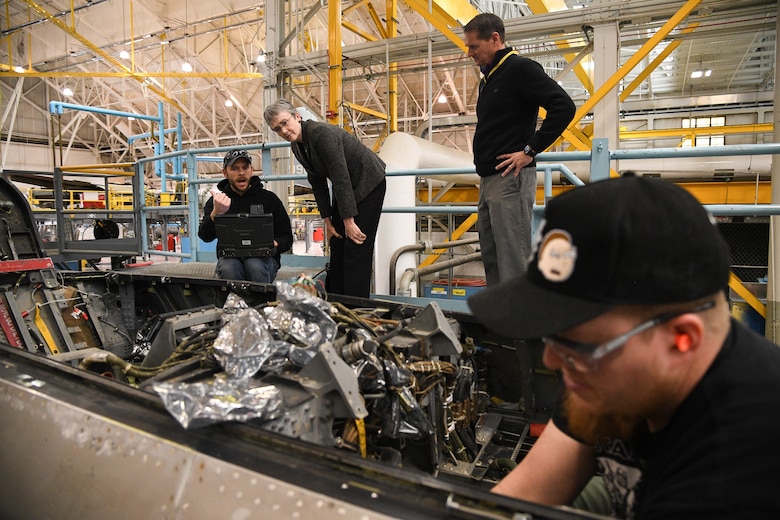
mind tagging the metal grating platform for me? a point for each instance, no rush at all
(205, 270)
(189, 269)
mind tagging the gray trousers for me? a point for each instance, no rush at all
(505, 217)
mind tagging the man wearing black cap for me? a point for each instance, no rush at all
(665, 395)
(241, 192)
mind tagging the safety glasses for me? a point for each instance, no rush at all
(584, 357)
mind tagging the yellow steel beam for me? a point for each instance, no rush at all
(585, 133)
(634, 60)
(377, 21)
(574, 135)
(579, 70)
(439, 18)
(36, 74)
(587, 130)
(706, 192)
(352, 7)
(334, 62)
(374, 16)
(655, 64)
(731, 192)
(455, 194)
(391, 8)
(548, 6)
(736, 285)
(365, 110)
(357, 30)
(99, 52)
(379, 140)
(458, 233)
(763, 128)
(460, 11)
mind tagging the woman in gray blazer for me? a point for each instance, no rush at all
(357, 175)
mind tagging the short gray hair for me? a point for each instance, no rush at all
(280, 106)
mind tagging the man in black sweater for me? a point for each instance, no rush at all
(512, 90)
(241, 192)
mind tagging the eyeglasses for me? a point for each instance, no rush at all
(584, 357)
(282, 124)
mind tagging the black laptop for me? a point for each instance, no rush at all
(243, 234)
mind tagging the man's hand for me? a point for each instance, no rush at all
(221, 203)
(513, 162)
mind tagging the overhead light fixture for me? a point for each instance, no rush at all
(701, 73)
(186, 67)
(19, 69)
(67, 92)
(442, 99)
(261, 58)
(123, 54)
(229, 103)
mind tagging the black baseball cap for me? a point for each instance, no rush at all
(233, 155)
(623, 241)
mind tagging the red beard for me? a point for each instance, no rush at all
(591, 428)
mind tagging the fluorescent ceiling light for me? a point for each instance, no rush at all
(186, 67)
(124, 55)
(67, 92)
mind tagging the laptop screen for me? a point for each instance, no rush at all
(244, 234)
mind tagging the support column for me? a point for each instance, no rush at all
(606, 61)
(772, 330)
(391, 7)
(275, 161)
(334, 113)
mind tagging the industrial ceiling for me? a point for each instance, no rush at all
(128, 56)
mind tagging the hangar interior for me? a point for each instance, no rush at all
(94, 91)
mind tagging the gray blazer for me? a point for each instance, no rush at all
(330, 152)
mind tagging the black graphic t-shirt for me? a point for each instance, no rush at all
(719, 456)
(621, 469)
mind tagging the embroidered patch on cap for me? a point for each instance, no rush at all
(557, 256)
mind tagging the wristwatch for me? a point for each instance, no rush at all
(530, 152)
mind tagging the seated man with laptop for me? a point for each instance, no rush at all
(250, 223)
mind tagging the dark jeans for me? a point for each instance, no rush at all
(351, 264)
(253, 269)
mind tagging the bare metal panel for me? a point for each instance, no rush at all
(66, 462)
